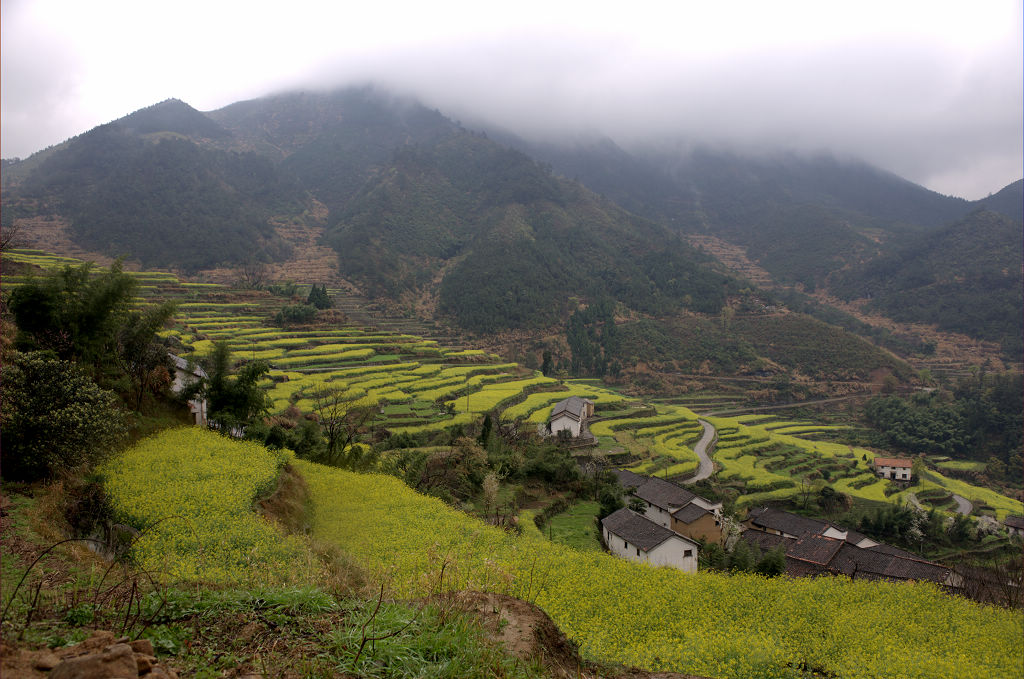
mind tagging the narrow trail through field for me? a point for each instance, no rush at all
(963, 505)
(706, 467)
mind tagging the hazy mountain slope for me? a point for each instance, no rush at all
(517, 247)
(140, 187)
(1009, 201)
(965, 278)
(332, 141)
(800, 216)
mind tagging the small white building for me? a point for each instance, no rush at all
(570, 415)
(186, 373)
(630, 536)
(894, 468)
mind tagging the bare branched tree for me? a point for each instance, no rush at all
(341, 419)
(8, 236)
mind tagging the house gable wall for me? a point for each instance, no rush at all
(705, 528)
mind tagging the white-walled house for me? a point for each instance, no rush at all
(184, 375)
(675, 507)
(895, 468)
(631, 536)
(570, 415)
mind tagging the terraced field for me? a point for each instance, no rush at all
(418, 385)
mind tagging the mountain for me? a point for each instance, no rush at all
(493, 236)
(1008, 202)
(800, 217)
(148, 186)
(964, 278)
(512, 245)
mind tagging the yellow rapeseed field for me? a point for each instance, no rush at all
(709, 624)
(191, 492)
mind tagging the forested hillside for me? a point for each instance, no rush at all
(142, 188)
(433, 218)
(517, 246)
(965, 278)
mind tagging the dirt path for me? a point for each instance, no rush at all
(706, 467)
(963, 505)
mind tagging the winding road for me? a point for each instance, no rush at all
(706, 467)
(963, 505)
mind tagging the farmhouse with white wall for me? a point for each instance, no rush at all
(631, 536)
(571, 415)
(894, 468)
(674, 507)
(186, 373)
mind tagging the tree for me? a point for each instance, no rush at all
(294, 314)
(341, 417)
(318, 297)
(138, 354)
(741, 559)
(490, 487)
(773, 563)
(54, 418)
(546, 366)
(610, 499)
(73, 312)
(485, 430)
(233, 401)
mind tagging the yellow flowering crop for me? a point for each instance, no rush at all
(703, 623)
(191, 492)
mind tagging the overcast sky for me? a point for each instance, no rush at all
(929, 90)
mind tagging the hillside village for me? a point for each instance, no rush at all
(398, 380)
(330, 383)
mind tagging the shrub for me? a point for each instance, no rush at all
(54, 418)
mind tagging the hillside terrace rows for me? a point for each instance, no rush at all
(419, 385)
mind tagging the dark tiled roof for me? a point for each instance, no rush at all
(574, 405)
(853, 537)
(814, 548)
(893, 551)
(629, 479)
(814, 554)
(1014, 521)
(793, 524)
(663, 494)
(690, 513)
(766, 541)
(181, 364)
(802, 569)
(873, 564)
(636, 530)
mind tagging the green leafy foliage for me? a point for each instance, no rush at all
(54, 418)
(318, 297)
(72, 312)
(978, 419)
(233, 401)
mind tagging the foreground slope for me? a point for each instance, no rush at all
(709, 624)
(715, 625)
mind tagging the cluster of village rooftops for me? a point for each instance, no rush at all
(674, 523)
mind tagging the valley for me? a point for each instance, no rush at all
(282, 389)
(419, 398)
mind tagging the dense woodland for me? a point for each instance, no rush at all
(501, 234)
(979, 418)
